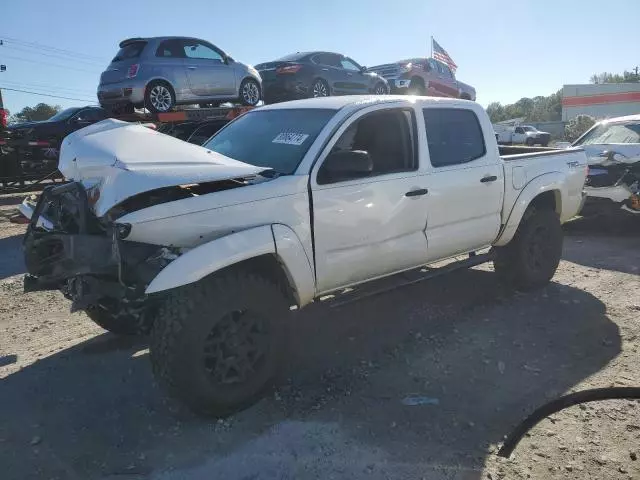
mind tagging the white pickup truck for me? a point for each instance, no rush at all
(211, 247)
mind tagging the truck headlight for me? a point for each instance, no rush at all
(406, 68)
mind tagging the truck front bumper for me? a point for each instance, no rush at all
(67, 248)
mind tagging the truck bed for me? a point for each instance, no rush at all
(508, 151)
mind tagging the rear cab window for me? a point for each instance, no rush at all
(130, 51)
(454, 136)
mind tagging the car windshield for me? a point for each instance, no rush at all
(611, 133)
(275, 139)
(64, 114)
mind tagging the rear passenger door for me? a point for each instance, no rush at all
(369, 226)
(465, 182)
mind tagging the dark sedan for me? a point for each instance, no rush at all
(317, 74)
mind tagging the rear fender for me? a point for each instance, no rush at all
(549, 182)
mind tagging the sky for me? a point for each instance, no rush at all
(505, 49)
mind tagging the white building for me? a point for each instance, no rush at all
(602, 100)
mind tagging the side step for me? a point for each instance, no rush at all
(472, 261)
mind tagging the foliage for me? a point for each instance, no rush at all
(608, 77)
(536, 109)
(41, 111)
(577, 126)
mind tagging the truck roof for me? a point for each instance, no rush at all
(336, 103)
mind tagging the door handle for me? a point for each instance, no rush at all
(325, 69)
(192, 68)
(417, 192)
(488, 178)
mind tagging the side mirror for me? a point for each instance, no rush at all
(345, 165)
(228, 60)
(363, 69)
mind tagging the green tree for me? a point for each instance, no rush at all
(608, 77)
(537, 109)
(577, 126)
(41, 111)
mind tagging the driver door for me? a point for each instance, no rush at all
(356, 81)
(207, 70)
(371, 226)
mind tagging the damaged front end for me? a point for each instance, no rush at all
(68, 248)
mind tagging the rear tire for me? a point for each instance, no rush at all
(159, 97)
(530, 260)
(114, 318)
(320, 88)
(215, 344)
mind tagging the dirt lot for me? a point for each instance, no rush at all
(79, 403)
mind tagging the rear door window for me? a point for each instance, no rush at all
(170, 49)
(454, 136)
(129, 51)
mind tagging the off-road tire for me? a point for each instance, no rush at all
(191, 314)
(530, 260)
(112, 319)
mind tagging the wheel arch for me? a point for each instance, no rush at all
(544, 191)
(273, 251)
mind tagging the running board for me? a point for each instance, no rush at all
(472, 261)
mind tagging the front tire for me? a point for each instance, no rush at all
(530, 260)
(320, 88)
(159, 97)
(215, 344)
(250, 93)
(380, 89)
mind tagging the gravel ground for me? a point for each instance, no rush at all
(79, 403)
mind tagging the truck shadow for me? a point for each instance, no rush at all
(485, 355)
(11, 260)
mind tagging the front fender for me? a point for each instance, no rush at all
(547, 182)
(212, 256)
(215, 255)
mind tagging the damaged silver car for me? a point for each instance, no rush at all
(613, 149)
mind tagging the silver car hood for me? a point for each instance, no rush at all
(627, 153)
(123, 159)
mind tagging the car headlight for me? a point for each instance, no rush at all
(406, 68)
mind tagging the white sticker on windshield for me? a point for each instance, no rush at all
(290, 138)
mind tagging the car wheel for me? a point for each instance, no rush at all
(250, 93)
(530, 142)
(159, 97)
(216, 344)
(380, 89)
(320, 88)
(531, 258)
(416, 87)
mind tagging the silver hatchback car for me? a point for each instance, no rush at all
(159, 73)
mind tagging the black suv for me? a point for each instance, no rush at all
(317, 74)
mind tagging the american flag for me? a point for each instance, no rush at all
(441, 55)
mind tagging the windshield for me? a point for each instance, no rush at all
(276, 139)
(611, 133)
(64, 114)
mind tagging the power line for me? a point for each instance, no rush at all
(39, 62)
(53, 88)
(45, 95)
(56, 56)
(45, 47)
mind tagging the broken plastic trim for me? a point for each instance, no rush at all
(593, 395)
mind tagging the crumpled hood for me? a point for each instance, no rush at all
(126, 159)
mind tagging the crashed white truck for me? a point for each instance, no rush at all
(211, 247)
